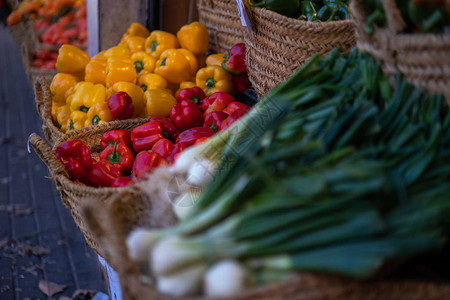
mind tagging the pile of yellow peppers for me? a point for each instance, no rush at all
(151, 67)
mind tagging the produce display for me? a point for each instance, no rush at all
(346, 176)
(314, 10)
(342, 169)
(158, 142)
(56, 22)
(135, 81)
(143, 77)
(44, 59)
(419, 15)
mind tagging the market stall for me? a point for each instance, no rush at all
(269, 150)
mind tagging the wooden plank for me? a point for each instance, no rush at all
(116, 16)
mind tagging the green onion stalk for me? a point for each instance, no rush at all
(332, 172)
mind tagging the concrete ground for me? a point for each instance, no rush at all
(39, 241)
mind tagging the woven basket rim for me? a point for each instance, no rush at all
(356, 8)
(64, 177)
(47, 103)
(301, 23)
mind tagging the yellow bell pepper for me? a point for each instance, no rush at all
(95, 71)
(215, 60)
(100, 56)
(98, 114)
(152, 81)
(185, 85)
(214, 79)
(135, 43)
(77, 120)
(63, 117)
(61, 83)
(176, 65)
(119, 69)
(159, 103)
(54, 112)
(137, 29)
(117, 51)
(194, 37)
(143, 62)
(86, 95)
(159, 41)
(71, 59)
(136, 94)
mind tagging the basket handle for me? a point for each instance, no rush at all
(41, 88)
(46, 154)
(394, 17)
(395, 22)
(25, 57)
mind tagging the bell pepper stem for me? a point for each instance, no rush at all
(153, 46)
(257, 4)
(138, 65)
(84, 108)
(95, 120)
(213, 127)
(144, 87)
(210, 83)
(114, 157)
(196, 99)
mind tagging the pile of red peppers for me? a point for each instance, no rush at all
(129, 156)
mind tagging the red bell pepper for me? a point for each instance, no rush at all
(145, 136)
(234, 106)
(241, 82)
(201, 140)
(163, 147)
(120, 156)
(190, 136)
(170, 128)
(216, 102)
(110, 137)
(179, 147)
(122, 181)
(234, 62)
(76, 158)
(186, 114)
(145, 162)
(194, 94)
(214, 119)
(103, 173)
(233, 118)
(121, 106)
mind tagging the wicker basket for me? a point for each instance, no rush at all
(24, 33)
(72, 193)
(34, 73)
(422, 58)
(43, 98)
(279, 45)
(114, 224)
(221, 17)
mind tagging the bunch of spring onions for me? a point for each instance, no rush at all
(332, 172)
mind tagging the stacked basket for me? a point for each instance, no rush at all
(422, 58)
(35, 73)
(279, 45)
(222, 20)
(74, 193)
(111, 225)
